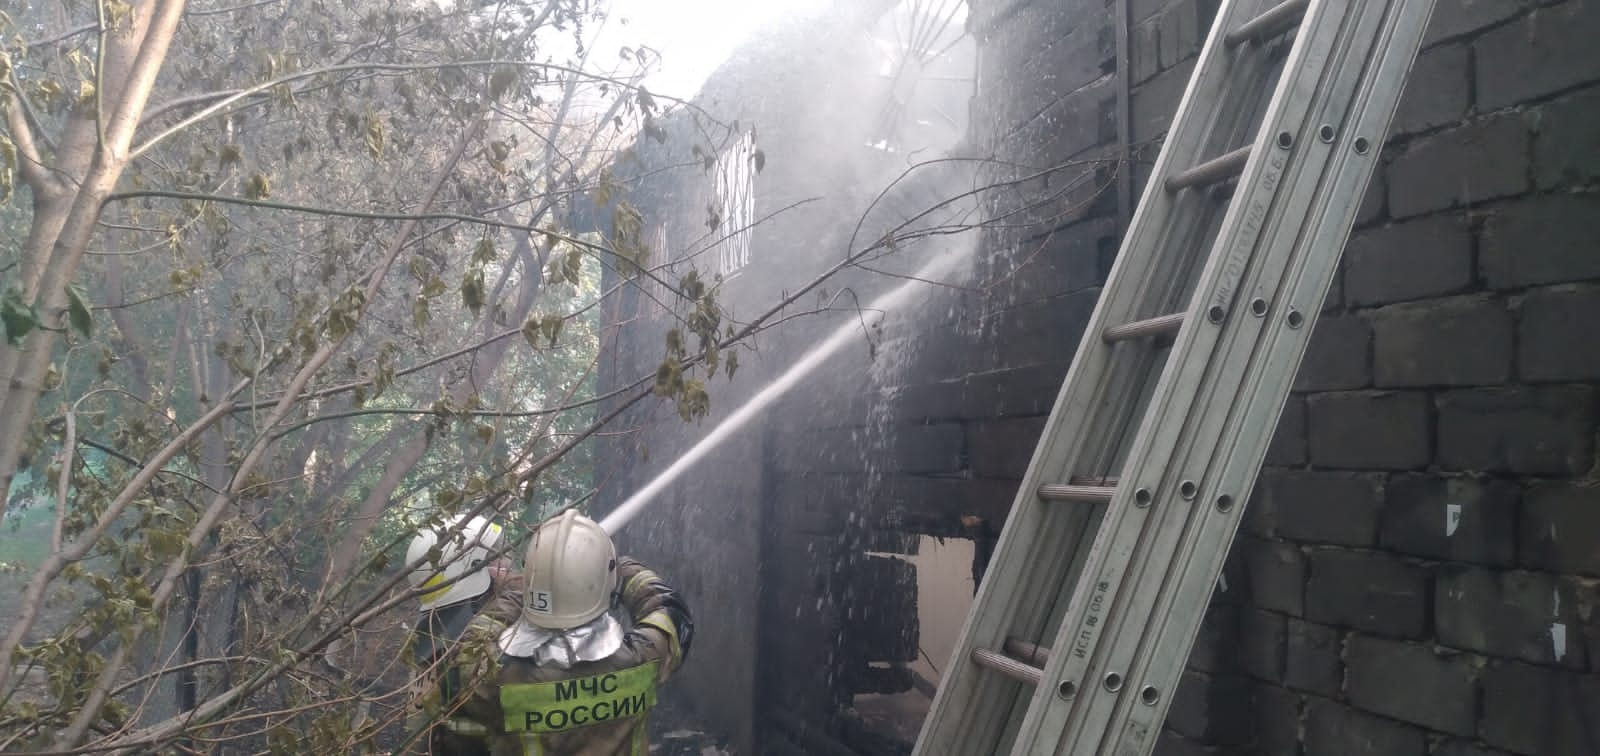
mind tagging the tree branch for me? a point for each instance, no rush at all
(141, 79)
(366, 610)
(29, 160)
(33, 598)
(398, 67)
(86, 28)
(212, 515)
(358, 214)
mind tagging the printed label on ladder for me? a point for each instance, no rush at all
(1091, 623)
(1452, 519)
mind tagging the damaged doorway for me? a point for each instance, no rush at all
(938, 575)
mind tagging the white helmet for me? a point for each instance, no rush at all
(465, 553)
(571, 570)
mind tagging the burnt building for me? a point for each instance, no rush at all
(1420, 563)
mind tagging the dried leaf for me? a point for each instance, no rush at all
(530, 331)
(654, 131)
(419, 311)
(375, 137)
(259, 188)
(17, 317)
(552, 328)
(572, 266)
(472, 291)
(484, 252)
(78, 311)
(8, 165)
(500, 81)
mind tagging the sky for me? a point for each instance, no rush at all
(692, 36)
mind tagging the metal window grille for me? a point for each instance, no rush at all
(735, 187)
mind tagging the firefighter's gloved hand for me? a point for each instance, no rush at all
(644, 594)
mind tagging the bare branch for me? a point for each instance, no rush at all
(29, 160)
(212, 515)
(187, 101)
(396, 67)
(359, 214)
(83, 29)
(118, 129)
(33, 597)
(64, 479)
(63, 36)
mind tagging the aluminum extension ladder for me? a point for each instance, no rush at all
(1095, 593)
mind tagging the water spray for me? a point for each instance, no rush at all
(942, 263)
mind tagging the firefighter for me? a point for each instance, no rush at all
(597, 634)
(466, 617)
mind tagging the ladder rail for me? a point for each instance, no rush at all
(1203, 116)
(1135, 547)
(1162, 221)
(1146, 558)
(1262, 345)
(1032, 529)
(1239, 462)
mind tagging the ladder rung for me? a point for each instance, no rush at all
(1275, 21)
(1007, 666)
(1152, 327)
(1119, 589)
(1030, 653)
(1094, 480)
(1070, 492)
(1211, 171)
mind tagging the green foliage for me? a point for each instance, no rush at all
(186, 296)
(628, 243)
(118, 14)
(78, 311)
(547, 327)
(345, 312)
(260, 187)
(8, 160)
(473, 295)
(17, 316)
(566, 266)
(674, 379)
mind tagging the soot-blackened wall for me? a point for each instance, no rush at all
(1418, 569)
(1420, 565)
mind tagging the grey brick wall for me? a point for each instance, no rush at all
(1422, 551)
(1419, 569)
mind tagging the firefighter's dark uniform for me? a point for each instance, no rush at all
(441, 690)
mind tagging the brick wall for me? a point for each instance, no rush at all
(1428, 518)
(1422, 552)
(1428, 513)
